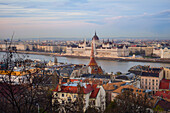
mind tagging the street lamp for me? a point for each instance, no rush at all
(38, 107)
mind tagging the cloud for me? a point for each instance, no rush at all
(96, 22)
(76, 14)
(162, 15)
(123, 16)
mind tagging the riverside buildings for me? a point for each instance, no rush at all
(162, 52)
(102, 49)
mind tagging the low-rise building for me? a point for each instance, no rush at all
(150, 79)
(110, 87)
(17, 76)
(147, 51)
(163, 52)
(131, 88)
(167, 73)
(92, 95)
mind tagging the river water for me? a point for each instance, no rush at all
(107, 65)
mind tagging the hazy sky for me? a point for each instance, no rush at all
(80, 18)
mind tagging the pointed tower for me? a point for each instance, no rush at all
(85, 43)
(92, 59)
(95, 69)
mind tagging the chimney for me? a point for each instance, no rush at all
(55, 61)
(78, 88)
(60, 81)
(68, 80)
(59, 87)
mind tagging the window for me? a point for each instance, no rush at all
(156, 80)
(56, 94)
(62, 95)
(145, 87)
(74, 96)
(62, 102)
(153, 81)
(93, 102)
(69, 99)
(19, 80)
(153, 88)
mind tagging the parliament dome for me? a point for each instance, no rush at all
(95, 37)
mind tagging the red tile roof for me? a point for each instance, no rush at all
(164, 104)
(164, 84)
(94, 86)
(94, 93)
(164, 94)
(72, 80)
(73, 89)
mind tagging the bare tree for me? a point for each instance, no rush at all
(128, 102)
(26, 95)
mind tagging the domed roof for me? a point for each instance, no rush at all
(95, 37)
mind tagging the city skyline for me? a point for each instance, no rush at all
(80, 18)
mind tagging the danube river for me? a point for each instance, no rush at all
(107, 65)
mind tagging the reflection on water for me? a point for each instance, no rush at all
(107, 65)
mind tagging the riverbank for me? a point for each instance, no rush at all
(159, 60)
(154, 60)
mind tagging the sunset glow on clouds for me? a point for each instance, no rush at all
(80, 18)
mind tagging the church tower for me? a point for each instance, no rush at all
(95, 69)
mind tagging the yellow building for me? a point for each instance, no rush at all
(17, 76)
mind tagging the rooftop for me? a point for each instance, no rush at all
(164, 104)
(95, 37)
(73, 87)
(164, 84)
(113, 86)
(150, 74)
(130, 88)
(163, 94)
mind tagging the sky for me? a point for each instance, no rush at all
(81, 18)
